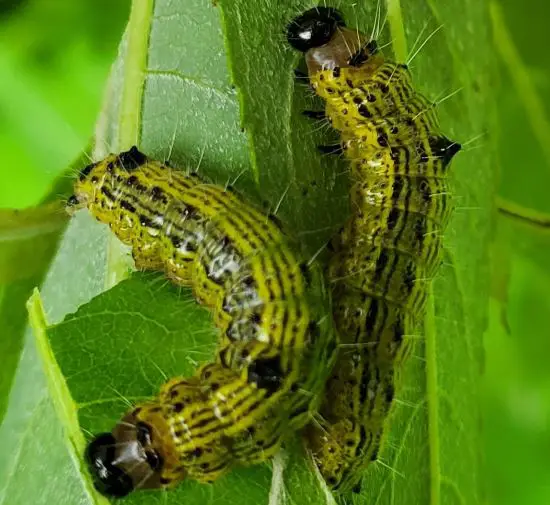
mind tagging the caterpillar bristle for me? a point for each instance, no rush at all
(300, 75)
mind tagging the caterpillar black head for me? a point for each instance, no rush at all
(109, 479)
(314, 28)
(135, 455)
(322, 35)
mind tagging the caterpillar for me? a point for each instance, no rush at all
(389, 248)
(276, 345)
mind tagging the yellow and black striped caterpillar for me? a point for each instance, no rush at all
(276, 345)
(389, 248)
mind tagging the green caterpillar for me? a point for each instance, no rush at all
(276, 346)
(389, 248)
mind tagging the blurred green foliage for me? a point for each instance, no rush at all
(55, 57)
(517, 385)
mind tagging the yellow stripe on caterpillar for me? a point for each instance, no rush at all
(387, 252)
(276, 346)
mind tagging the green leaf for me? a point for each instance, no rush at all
(142, 312)
(28, 242)
(172, 92)
(516, 399)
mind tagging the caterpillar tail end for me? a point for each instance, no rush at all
(445, 149)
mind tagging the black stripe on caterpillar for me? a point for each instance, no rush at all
(276, 345)
(389, 248)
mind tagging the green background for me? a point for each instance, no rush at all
(55, 57)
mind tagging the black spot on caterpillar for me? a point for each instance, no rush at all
(389, 247)
(276, 346)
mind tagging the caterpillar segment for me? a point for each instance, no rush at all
(388, 250)
(276, 344)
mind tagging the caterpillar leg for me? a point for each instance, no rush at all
(362, 55)
(331, 149)
(147, 258)
(299, 75)
(314, 114)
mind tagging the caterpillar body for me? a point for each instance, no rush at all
(276, 346)
(389, 248)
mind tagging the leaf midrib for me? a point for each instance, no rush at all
(62, 400)
(129, 120)
(399, 44)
